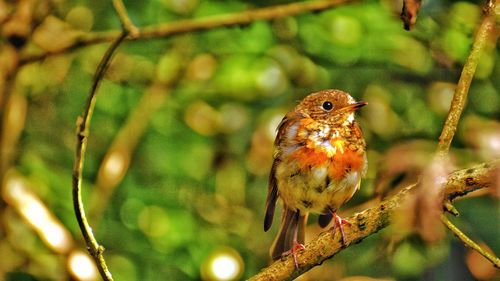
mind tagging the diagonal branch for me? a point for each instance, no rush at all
(83, 123)
(372, 220)
(469, 242)
(191, 25)
(82, 132)
(485, 30)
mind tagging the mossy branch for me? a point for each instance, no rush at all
(486, 30)
(370, 221)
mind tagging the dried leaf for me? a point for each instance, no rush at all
(430, 201)
(420, 213)
(401, 165)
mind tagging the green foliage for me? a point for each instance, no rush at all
(197, 179)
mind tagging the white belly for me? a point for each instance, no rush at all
(313, 191)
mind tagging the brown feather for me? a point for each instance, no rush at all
(285, 123)
(272, 191)
(291, 221)
(272, 196)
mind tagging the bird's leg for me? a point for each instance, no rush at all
(338, 223)
(296, 247)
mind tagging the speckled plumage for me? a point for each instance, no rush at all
(318, 163)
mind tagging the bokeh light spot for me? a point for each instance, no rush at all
(36, 213)
(56, 236)
(225, 267)
(81, 266)
(223, 264)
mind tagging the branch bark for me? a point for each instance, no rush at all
(469, 242)
(83, 123)
(192, 25)
(485, 30)
(127, 24)
(370, 221)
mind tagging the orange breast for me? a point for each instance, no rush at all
(343, 163)
(309, 158)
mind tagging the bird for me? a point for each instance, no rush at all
(319, 160)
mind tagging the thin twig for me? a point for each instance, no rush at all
(485, 30)
(191, 25)
(469, 242)
(370, 221)
(83, 123)
(127, 24)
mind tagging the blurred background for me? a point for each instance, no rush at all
(180, 145)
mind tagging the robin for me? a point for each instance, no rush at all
(319, 160)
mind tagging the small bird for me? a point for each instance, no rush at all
(319, 160)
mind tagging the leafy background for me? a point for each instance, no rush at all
(181, 138)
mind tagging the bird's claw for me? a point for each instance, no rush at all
(293, 251)
(338, 223)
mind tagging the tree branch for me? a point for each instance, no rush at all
(370, 221)
(127, 24)
(486, 29)
(191, 25)
(469, 242)
(83, 123)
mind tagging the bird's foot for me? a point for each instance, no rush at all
(293, 251)
(338, 223)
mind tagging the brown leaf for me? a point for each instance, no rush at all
(430, 200)
(401, 165)
(420, 213)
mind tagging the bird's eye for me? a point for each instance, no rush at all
(327, 106)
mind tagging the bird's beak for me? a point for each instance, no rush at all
(354, 106)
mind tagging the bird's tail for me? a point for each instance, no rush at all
(292, 227)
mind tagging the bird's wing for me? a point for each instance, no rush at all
(272, 196)
(272, 192)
